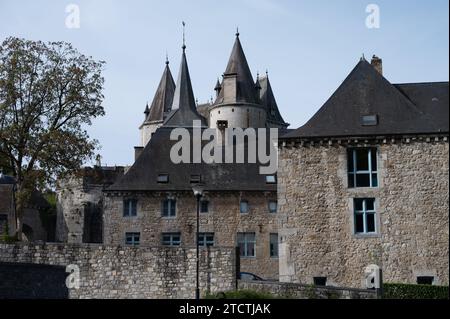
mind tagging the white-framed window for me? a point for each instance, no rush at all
(364, 215)
(362, 167)
(129, 207)
(171, 239)
(206, 239)
(243, 206)
(169, 208)
(132, 239)
(273, 206)
(246, 243)
(274, 245)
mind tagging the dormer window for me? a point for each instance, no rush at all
(195, 179)
(163, 178)
(369, 120)
(271, 179)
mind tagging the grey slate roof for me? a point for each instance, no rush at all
(184, 110)
(162, 101)
(237, 64)
(155, 159)
(268, 100)
(401, 109)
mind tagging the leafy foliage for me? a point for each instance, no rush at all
(409, 291)
(49, 93)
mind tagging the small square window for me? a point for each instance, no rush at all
(171, 239)
(273, 206)
(163, 178)
(132, 239)
(206, 239)
(320, 281)
(364, 215)
(425, 280)
(271, 179)
(244, 207)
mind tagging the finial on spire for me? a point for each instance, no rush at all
(363, 57)
(267, 73)
(167, 58)
(184, 37)
(237, 31)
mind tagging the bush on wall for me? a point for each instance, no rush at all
(409, 291)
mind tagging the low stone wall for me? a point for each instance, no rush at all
(299, 291)
(124, 272)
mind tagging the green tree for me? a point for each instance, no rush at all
(49, 93)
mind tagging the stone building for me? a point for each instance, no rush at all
(153, 202)
(33, 226)
(79, 217)
(366, 181)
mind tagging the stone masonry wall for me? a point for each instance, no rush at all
(224, 220)
(299, 291)
(316, 214)
(130, 272)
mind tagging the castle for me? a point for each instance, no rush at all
(365, 181)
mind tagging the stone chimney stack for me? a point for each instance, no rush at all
(377, 63)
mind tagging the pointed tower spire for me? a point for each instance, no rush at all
(267, 99)
(238, 84)
(184, 109)
(162, 101)
(147, 111)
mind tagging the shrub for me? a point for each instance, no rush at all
(409, 291)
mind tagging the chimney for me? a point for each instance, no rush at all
(377, 63)
(137, 151)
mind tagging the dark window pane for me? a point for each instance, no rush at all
(250, 249)
(358, 204)
(173, 205)
(362, 180)
(320, 281)
(362, 160)
(273, 245)
(350, 160)
(204, 206)
(374, 159)
(370, 223)
(359, 225)
(374, 180)
(242, 249)
(370, 204)
(425, 280)
(351, 180)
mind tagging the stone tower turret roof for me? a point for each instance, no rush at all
(184, 109)
(268, 100)
(162, 101)
(237, 65)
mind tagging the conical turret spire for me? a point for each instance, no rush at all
(162, 101)
(184, 110)
(238, 68)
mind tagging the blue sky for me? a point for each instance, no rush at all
(307, 46)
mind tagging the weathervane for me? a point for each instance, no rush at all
(184, 37)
